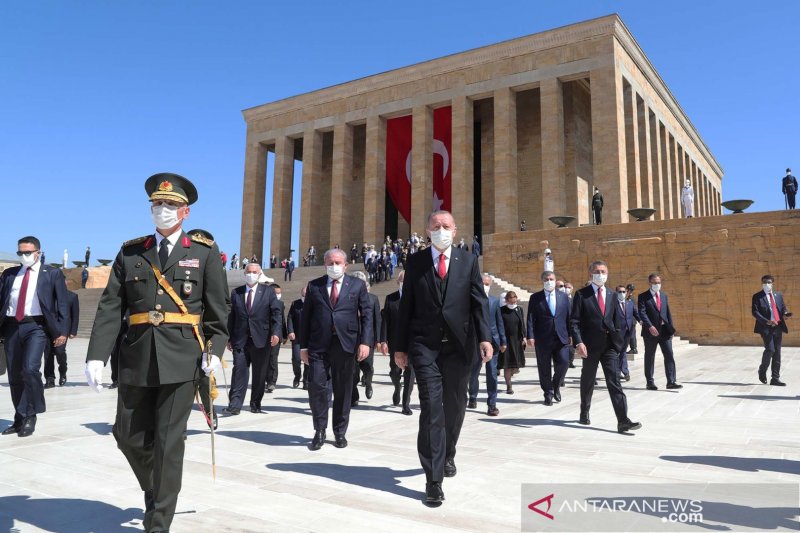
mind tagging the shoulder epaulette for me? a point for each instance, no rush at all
(135, 241)
(202, 240)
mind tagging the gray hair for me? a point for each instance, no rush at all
(363, 277)
(332, 252)
(547, 273)
(438, 212)
(253, 264)
(483, 278)
(597, 264)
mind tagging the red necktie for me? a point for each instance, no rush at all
(658, 301)
(442, 266)
(250, 299)
(601, 301)
(334, 293)
(23, 293)
(775, 315)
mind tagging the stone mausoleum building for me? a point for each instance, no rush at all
(519, 130)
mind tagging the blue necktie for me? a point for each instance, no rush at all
(551, 303)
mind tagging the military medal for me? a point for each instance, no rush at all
(187, 287)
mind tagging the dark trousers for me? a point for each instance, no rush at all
(149, 431)
(297, 363)
(632, 341)
(650, 345)
(598, 215)
(367, 366)
(790, 198)
(287, 275)
(242, 359)
(442, 383)
(491, 378)
(272, 364)
(772, 337)
(623, 354)
(59, 353)
(559, 355)
(25, 345)
(395, 373)
(340, 365)
(609, 358)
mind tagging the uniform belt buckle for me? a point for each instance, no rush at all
(155, 317)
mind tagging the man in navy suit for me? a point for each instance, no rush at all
(444, 313)
(498, 340)
(60, 352)
(657, 330)
(770, 313)
(595, 324)
(254, 324)
(336, 329)
(548, 333)
(293, 329)
(630, 317)
(389, 314)
(34, 310)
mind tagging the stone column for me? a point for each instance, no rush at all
(310, 199)
(253, 200)
(554, 199)
(341, 178)
(462, 165)
(608, 140)
(655, 161)
(666, 177)
(283, 184)
(676, 178)
(375, 181)
(421, 167)
(505, 161)
(645, 153)
(632, 147)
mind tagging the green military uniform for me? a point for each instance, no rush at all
(160, 357)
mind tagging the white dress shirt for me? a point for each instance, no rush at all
(769, 302)
(330, 285)
(248, 289)
(605, 293)
(32, 307)
(172, 240)
(436, 253)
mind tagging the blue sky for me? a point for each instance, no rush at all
(95, 96)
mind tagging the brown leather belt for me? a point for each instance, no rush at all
(156, 318)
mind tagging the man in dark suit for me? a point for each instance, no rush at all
(293, 321)
(597, 206)
(770, 313)
(498, 339)
(174, 287)
(629, 319)
(60, 352)
(287, 274)
(336, 329)
(255, 327)
(444, 312)
(390, 312)
(367, 366)
(595, 324)
(548, 333)
(275, 351)
(657, 330)
(789, 188)
(34, 310)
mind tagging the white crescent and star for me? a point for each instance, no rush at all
(439, 149)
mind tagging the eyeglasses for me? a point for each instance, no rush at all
(26, 254)
(621, 292)
(559, 286)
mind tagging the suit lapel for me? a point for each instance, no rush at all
(261, 293)
(323, 288)
(179, 251)
(429, 273)
(40, 281)
(151, 254)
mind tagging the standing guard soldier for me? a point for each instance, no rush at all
(174, 288)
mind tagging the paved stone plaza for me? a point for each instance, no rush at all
(723, 426)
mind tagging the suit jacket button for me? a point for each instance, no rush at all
(158, 307)
(160, 291)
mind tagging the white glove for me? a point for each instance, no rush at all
(209, 367)
(94, 374)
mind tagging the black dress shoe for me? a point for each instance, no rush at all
(626, 377)
(62, 381)
(493, 411)
(353, 403)
(28, 426)
(674, 386)
(319, 440)
(548, 401)
(305, 385)
(11, 430)
(433, 493)
(396, 395)
(627, 425)
(571, 364)
(368, 391)
(450, 468)
(776, 381)
(762, 377)
(557, 395)
(50, 383)
(651, 386)
(254, 409)
(584, 419)
(114, 385)
(562, 383)
(473, 404)
(407, 411)
(296, 383)
(340, 442)
(270, 388)
(233, 411)
(509, 390)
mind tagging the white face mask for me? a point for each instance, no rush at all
(251, 278)
(28, 260)
(511, 306)
(164, 216)
(621, 297)
(278, 296)
(599, 279)
(656, 287)
(562, 289)
(442, 238)
(767, 287)
(569, 291)
(549, 285)
(335, 271)
(486, 289)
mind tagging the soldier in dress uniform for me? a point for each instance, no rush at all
(174, 288)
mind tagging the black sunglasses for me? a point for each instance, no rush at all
(20, 254)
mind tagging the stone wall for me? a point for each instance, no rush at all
(711, 266)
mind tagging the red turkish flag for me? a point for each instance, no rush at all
(398, 164)
(442, 142)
